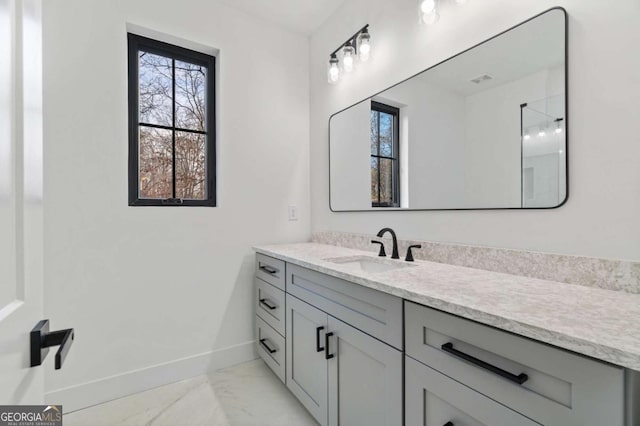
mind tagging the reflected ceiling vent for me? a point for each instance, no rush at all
(481, 78)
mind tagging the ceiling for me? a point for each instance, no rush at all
(300, 16)
(531, 47)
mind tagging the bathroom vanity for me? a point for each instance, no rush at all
(361, 339)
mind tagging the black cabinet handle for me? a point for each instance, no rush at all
(318, 330)
(263, 342)
(519, 379)
(448, 424)
(265, 302)
(268, 269)
(327, 355)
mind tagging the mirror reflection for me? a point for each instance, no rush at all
(484, 129)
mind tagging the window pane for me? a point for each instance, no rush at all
(374, 133)
(374, 180)
(386, 181)
(190, 96)
(191, 173)
(155, 89)
(155, 163)
(386, 134)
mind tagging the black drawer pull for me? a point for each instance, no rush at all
(327, 355)
(266, 303)
(448, 424)
(519, 379)
(268, 269)
(318, 330)
(263, 342)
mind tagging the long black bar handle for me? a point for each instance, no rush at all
(266, 303)
(519, 379)
(318, 330)
(268, 269)
(448, 424)
(263, 342)
(327, 355)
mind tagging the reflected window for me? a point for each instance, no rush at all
(171, 125)
(385, 168)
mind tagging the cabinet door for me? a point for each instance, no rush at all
(365, 379)
(433, 399)
(306, 363)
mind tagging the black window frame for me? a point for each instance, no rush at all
(395, 158)
(137, 43)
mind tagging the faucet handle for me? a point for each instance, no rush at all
(409, 257)
(382, 253)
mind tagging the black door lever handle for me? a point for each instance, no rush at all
(42, 339)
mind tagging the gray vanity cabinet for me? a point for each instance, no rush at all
(269, 303)
(546, 384)
(340, 374)
(365, 379)
(306, 363)
(353, 355)
(433, 399)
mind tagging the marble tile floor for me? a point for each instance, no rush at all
(245, 394)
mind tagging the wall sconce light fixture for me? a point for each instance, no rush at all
(355, 47)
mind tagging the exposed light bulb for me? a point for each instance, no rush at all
(347, 58)
(542, 133)
(334, 70)
(527, 136)
(427, 6)
(429, 12)
(364, 49)
(558, 130)
(430, 18)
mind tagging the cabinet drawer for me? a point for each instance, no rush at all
(269, 305)
(270, 270)
(376, 313)
(433, 399)
(546, 384)
(271, 347)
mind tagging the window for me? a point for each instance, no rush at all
(385, 168)
(172, 158)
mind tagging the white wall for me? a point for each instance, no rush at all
(350, 135)
(435, 143)
(601, 216)
(146, 286)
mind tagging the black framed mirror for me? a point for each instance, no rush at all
(484, 129)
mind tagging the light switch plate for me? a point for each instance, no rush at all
(293, 212)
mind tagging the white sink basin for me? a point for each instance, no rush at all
(369, 264)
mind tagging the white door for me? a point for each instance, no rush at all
(20, 198)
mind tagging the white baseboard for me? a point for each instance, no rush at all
(98, 391)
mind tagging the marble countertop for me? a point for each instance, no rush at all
(602, 324)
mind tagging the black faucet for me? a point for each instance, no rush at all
(394, 254)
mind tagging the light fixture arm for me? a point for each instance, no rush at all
(353, 40)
